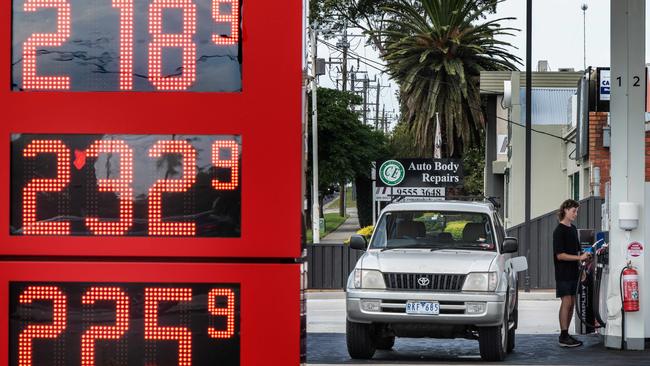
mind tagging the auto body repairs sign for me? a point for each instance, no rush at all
(419, 173)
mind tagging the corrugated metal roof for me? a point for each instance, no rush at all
(550, 105)
(492, 81)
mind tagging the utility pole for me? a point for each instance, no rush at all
(365, 101)
(344, 74)
(377, 104)
(315, 214)
(378, 121)
(344, 66)
(383, 118)
(363, 92)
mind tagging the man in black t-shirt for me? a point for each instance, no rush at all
(566, 256)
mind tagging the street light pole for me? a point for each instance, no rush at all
(529, 104)
(315, 213)
(584, 36)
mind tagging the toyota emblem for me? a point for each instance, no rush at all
(423, 281)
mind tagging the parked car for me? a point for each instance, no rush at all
(441, 269)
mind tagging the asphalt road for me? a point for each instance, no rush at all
(536, 342)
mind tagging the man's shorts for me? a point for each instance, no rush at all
(564, 288)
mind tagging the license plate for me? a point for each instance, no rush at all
(423, 307)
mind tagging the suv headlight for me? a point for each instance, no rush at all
(481, 281)
(367, 278)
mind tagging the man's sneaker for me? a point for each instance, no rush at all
(580, 342)
(569, 342)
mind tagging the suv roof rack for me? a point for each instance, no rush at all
(491, 199)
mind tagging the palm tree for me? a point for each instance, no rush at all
(435, 51)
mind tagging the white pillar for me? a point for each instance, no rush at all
(627, 107)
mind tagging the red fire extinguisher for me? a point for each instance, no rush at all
(630, 289)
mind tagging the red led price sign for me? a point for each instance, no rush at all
(141, 185)
(150, 314)
(128, 70)
(127, 45)
(117, 323)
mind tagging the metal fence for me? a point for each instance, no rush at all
(540, 258)
(330, 264)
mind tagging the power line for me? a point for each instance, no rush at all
(329, 45)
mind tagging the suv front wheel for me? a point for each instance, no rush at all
(385, 343)
(359, 340)
(493, 341)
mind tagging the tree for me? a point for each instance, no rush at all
(401, 142)
(346, 146)
(367, 15)
(436, 58)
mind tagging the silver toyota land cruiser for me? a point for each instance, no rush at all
(441, 269)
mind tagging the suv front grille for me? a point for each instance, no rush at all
(424, 281)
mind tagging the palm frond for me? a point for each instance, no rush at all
(435, 52)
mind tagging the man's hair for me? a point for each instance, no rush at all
(566, 205)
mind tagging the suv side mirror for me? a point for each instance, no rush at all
(358, 242)
(510, 245)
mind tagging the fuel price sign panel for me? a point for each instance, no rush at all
(113, 323)
(134, 314)
(126, 45)
(151, 129)
(116, 185)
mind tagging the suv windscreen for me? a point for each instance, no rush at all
(434, 230)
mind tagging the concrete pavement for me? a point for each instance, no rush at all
(326, 312)
(536, 342)
(343, 232)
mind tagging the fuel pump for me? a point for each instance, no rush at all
(591, 293)
(583, 313)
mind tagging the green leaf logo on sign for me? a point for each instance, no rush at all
(391, 172)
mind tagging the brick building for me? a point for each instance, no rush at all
(599, 147)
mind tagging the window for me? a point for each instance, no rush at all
(434, 230)
(574, 186)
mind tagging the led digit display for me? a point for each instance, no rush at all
(126, 45)
(74, 323)
(136, 185)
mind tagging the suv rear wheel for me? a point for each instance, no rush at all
(493, 341)
(359, 340)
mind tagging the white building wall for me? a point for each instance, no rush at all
(549, 185)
